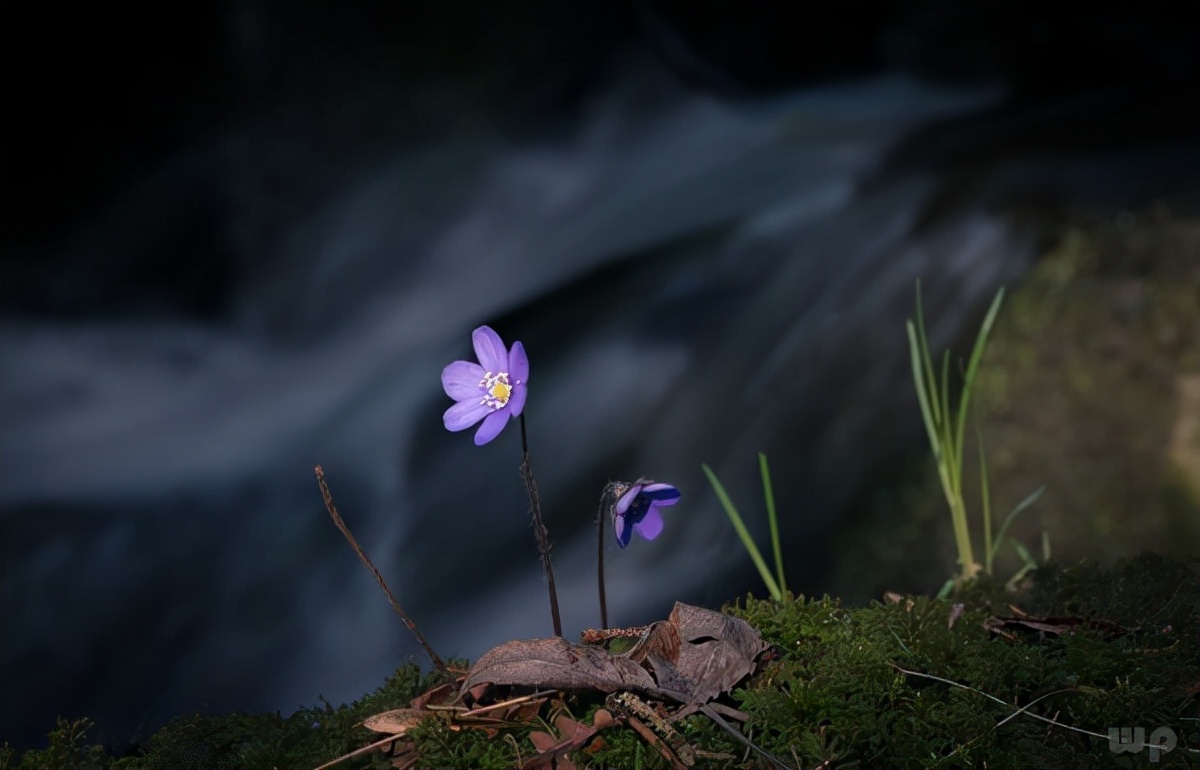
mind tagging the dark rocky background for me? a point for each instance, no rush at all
(239, 239)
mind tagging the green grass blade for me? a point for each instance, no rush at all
(1024, 553)
(946, 428)
(1015, 581)
(934, 400)
(772, 520)
(926, 359)
(986, 505)
(1029, 500)
(739, 526)
(923, 396)
(949, 450)
(973, 365)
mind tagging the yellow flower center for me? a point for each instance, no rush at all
(496, 390)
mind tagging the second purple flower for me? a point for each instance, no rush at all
(636, 510)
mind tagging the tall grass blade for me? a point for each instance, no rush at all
(772, 520)
(988, 551)
(1029, 500)
(973, 366)
(928, 415)
(739, 526)
(925, 357)
(946, 427)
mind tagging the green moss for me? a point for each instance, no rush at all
(444, 747)
(837, 690)
(307, 738)
(836, 693)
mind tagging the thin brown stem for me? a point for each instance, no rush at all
(600, 559)
(362, 555)
(539, 528)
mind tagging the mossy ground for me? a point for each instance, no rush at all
(837, 695)
(833, 696)
(307, 738)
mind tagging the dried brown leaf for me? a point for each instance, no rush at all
(406, 759)
(660, 639)
(572, 735)
(693, 656)
(558, 664)
(442, 695)
(718, 651)
(524, 712)
(396, 721)
(542, 741)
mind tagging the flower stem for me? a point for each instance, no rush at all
(362, 555)
(539, 527)
(604, 498)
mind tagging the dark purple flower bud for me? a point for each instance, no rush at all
(636, 510)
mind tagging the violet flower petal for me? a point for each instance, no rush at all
(464, 414)
(491, 427)
(661, 494)
(651, 525)
(622, 530)
(489, 349)
(516, 402)
(460, 380)
(627, 499)
(518, 364)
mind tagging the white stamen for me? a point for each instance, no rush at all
(497, 390)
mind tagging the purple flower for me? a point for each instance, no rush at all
(637, 510)
(492, 390)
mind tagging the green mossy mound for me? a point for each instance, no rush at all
(307, 738)
(838, 695)
(868, 687)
